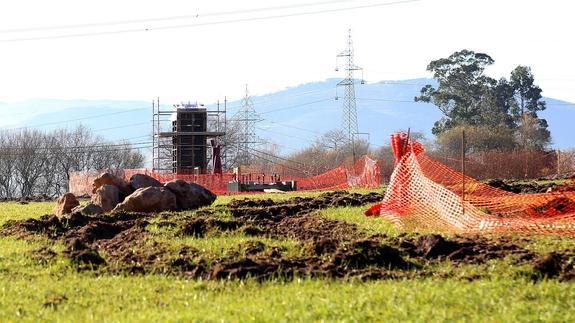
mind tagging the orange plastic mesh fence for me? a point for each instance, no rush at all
(426, 195)
(365, 173)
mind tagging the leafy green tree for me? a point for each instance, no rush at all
(471, 100)
(532, 131)
(462, 89)
(526, 94)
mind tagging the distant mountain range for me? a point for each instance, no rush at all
(292, 118)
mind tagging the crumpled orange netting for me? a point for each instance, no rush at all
(426, 195)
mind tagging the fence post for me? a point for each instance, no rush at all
(463, 171)
(558, 162)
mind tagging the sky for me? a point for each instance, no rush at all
(228, 44)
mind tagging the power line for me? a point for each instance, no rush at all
(278, 157)
(92, 151)
(280, 164)
(274, 98)
(123, 126)
(80, 147)
(387, 100)
(295, 106)
(239, 20)
(285, 135)
(402, 83)
(280, 145)
(256, 153)
(77, 119)
(169, 18)
(295, 127)
(296, 137)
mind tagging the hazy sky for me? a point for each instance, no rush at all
(207, 62)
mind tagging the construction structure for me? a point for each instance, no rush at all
(349, 116)
(186, 138)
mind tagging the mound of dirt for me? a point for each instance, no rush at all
(469, 249)
(325, 248)
(519, 187)
(48, 225)
(299, 204)
(27, 199)
(364, 253)
(82, 255)
(198, 226)
(549, 265)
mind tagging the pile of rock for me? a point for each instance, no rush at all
(141, 194)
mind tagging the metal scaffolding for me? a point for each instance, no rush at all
(181, 136)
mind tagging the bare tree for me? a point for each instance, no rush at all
(7, 163)
(33, 162)
(29, 161)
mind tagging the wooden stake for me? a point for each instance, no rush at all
(558, 162)
(463, 170)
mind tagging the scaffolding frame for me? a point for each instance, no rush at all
(166, 142)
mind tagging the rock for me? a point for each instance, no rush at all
(149, 199)
(140, 181)
(65, 204)
(88, 209)
(106, 197)
(111, 179)
(190, 195)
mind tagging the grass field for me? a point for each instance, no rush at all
(37, 288)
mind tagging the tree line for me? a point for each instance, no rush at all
(505, 137)
(39, 163)
(496, 114)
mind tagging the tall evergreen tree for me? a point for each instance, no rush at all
(461, 91)
(471, 100)
(532, 131)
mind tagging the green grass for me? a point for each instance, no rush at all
(80, 297)
(355, 215)
(35, 289)
(219, 245)
(17, 211)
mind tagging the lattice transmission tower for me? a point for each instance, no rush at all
(247, 138)
(349, 117)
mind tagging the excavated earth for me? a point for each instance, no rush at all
(531, 187)
(124, 242)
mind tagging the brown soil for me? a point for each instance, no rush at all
(327, 248)
(27, 199)
(531, 187)
(556, 206)
(519, 187)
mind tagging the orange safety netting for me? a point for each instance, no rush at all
(426, 195)
(365, 173)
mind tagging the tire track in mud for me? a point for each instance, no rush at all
(328, 248)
